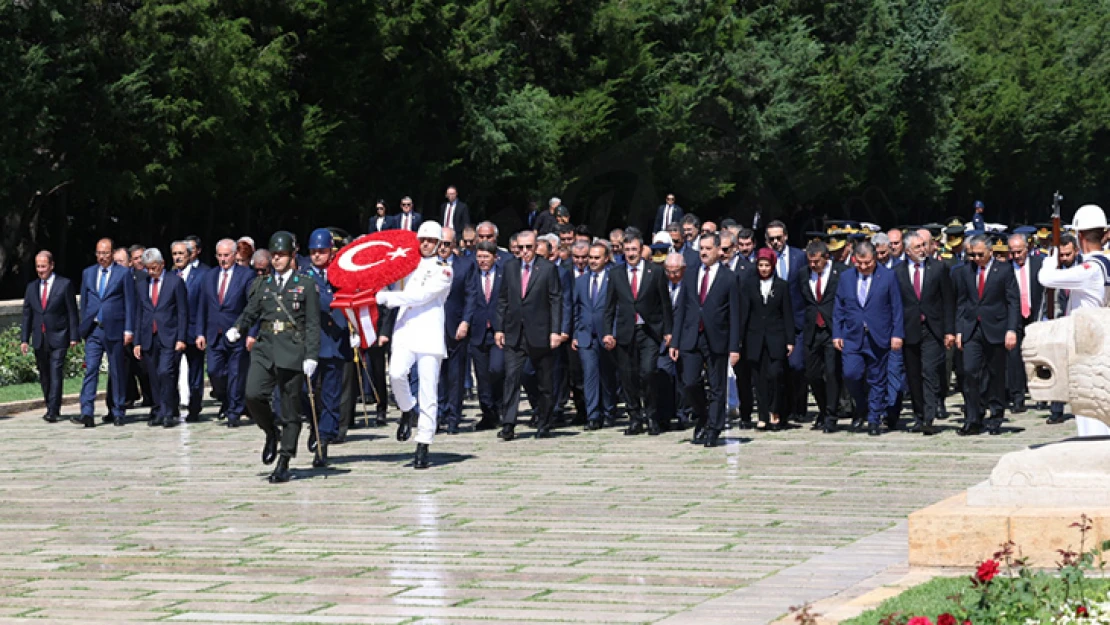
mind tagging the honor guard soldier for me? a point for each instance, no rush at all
(418, 339)
(288, 308)
(335, 345)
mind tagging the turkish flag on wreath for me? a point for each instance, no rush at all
(365, 266)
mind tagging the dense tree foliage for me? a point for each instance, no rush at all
(148, 119)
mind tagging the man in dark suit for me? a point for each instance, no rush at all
(407, 219)
(546, 222)
(1030, 303)
(379, 221)
(929, 320)
(667, 379)
(454, 213)
(737, 259)
(706, 333)
(224, 294)
(638, 320)
(487, 231)
(792, 266)
(458, 316)
(822, 360)
(107, 325)
(528, 326)
(988, 315)
(668, 213)
(192, 272)
(489, 359)
(50, 328)
(593, 342)
(163, 318)
(867, 326)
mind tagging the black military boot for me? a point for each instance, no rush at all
(269, 450)
(404, 425)
(321, 458)
(420, 461)
(281, 471)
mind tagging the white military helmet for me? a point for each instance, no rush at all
(1089, 217)
(430, 230)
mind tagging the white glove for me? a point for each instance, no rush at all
(309, 367)
(232, 335)
(382, 298)
(356, 341)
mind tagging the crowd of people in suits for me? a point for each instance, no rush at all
(690, 325)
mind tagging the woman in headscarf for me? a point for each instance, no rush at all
(767, 331)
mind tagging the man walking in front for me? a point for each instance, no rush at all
(50, 328)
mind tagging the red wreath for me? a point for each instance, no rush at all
(374, 261)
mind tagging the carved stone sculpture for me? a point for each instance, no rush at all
(1068, 360)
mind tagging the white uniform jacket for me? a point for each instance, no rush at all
(419, 325)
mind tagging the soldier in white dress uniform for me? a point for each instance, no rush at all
(418, 339)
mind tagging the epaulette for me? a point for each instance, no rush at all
(441, 262)
(946, 255)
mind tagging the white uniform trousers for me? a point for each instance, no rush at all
(427, 370)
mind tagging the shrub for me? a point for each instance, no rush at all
(15, 368)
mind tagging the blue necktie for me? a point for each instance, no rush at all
(782, 265)
(103, 282)
(593, 288)
(861, 293)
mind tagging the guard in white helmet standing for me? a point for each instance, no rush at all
(418, 340)
(1087, 281)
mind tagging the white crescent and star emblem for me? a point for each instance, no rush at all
(346, 259)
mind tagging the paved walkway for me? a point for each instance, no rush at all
(141, 524)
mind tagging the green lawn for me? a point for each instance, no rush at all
(932, 598)
(20, 392)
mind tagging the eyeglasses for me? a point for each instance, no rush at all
(726, 248)
(975, 254)
(406, 203)
(526, 247)
(778, 238)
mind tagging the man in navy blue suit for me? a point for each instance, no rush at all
(50, 328)
(668, 213)
(793, 267)
(593, 339)
(191, 271)
(107, 316)
(163, 318)
(407, 219)
(489, 360)
(867, 326)
(707, 336)
(224, 294)
(458, 317)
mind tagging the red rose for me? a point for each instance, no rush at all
(1081, 611)
(920, 620)
(946, 619)
(987, 571)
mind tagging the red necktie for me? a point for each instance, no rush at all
(154, 302)
(704, 290)
(223, 287)
(1024, 294)
(818, 293)
(45, 285)
(407, 223)
(635, 283)
(917, 280)
(982, 280)
(525, 272)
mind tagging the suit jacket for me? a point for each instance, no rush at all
(458, 220)
(115, 310)
(193, 289)
(59, 316)
(374, 226)
(1036, 291)
(484, 312)
(720, 314)
(214, 318)
(691, 256)
(463, 297)
(335, 331)
(545, 223)
(395, 224)
(676, 216)
(530, 319)
(652, 303)
(825, 307)
(997, 312)
(769, 324)
(171, 314)
(566, 288)
(881, 314)
(797, 275)
(937, 304)
(590, 324)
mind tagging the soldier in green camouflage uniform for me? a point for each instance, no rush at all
(288, 308)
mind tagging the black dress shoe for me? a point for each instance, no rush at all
(381, 420)
(994, 430)
(653, 428)
(507, 432)
(233, 421)
(49, 418)
(1055, 419)
(452, 427)
(634, 428)
(593, 424)
(106, 418)
(118, 421)
(193, 418)
(485, 424)
(745, 423)
(857, 425)
(873, 430)
(153, 421)
(221, 415)
(927, 430)
(404, 425)
(169, 422)
(712, 438)
(320, 460)
(891, 424)
(543, 432)
(269, 449)
(699, 436)
(969, 430)
(87, 421)
(281, 471)
(311, 443)
(829, 427)
(420, 460)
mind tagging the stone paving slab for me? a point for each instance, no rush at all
(141, 524)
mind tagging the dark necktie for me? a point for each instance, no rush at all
(817, 294)
(154, 302)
